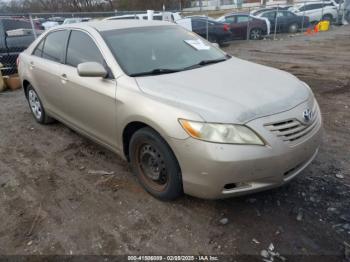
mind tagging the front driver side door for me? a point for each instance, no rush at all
(89, 102)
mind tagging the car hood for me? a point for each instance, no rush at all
(234, 91)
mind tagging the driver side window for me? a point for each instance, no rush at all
(269, 15)
(81, 48)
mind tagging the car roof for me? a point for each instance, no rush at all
(314, 2)
(240, 13)
(263, 10)
(116, 24)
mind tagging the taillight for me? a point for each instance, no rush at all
(226, 27)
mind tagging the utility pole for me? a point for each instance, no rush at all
(200, 5)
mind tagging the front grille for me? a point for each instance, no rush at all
(292, 130)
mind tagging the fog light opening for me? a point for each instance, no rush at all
(230, 186)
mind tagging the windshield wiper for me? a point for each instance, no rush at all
(213, 61)
(206, 62)
(158, 71)
(161, 71)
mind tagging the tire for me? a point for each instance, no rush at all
(216, 40)
(213, 39)
(255, 34)
(37, 108)
(293, 28)
(155, 165)
(328, 17)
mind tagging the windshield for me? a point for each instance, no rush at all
(161, 49)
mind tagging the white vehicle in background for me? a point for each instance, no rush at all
(317, 11)
(76, 20)
(50, 24)
(161, 16)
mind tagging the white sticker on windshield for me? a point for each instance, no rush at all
(197, 44)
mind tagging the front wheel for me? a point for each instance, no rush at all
(155, 165)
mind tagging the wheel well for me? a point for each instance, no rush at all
(328, 15)
(25, 85)
(255, 28)
(128, 132)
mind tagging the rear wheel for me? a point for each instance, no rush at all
(214, 39)
(293, 28)
(155, 165)
(36, 107)
(255, 34)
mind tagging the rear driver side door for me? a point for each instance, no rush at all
(89, 102)
(45, 65)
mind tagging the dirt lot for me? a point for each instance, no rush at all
(50, 204)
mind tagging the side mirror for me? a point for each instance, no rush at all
(91, 69)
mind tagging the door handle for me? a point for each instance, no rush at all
(64, 78)
(32, 66)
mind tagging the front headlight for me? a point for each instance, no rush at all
(221, 133)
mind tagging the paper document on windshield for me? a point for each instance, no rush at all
(197, 44)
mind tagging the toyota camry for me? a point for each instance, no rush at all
(187, 116)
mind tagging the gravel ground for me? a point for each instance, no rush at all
(51, 203)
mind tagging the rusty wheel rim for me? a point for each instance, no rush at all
(152, 167)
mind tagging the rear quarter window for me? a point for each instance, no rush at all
(38, 51)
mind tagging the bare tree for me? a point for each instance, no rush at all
(89, 5)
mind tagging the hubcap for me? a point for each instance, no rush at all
(255, 34)
(293, 28)
(35, 104)
(153, 165)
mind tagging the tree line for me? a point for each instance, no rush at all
(36, 6)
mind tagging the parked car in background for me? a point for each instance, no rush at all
(76, 20)
(52, 22)
(285, 22)
(243, 25)
(317, 11)
(57, 19)
(11, 44)
(208, 28)
(262, 10)
(187, 116)
(163, 16)
(49, 24)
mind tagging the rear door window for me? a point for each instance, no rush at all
(81, 48)
(198, 24)
(280, 14)
(290, 14)
(230, 19)
(243, 18)
(54, 46)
